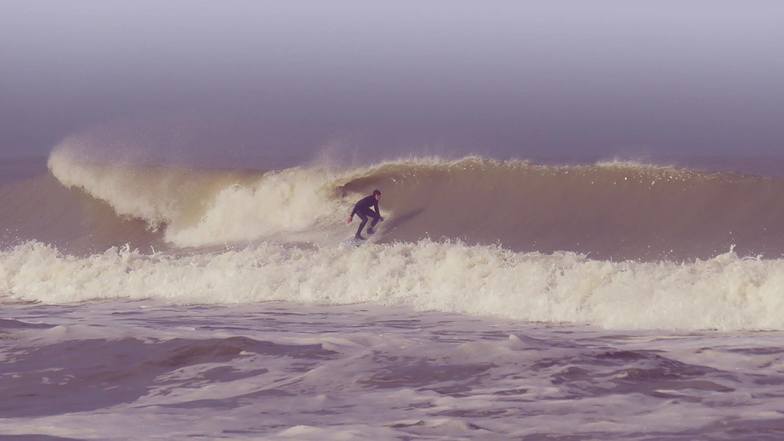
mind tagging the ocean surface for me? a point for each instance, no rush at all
(500, 299)
(583, 235)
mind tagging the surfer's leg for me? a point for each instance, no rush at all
(376, 218)
(364, 218)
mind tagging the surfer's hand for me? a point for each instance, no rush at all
(350, 219)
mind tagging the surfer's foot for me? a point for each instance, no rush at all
(359, 237)
(371, 231)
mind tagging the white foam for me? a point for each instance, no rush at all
(289, 201)
(725, 293)
(201, 208)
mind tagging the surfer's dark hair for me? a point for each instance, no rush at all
(376, 192)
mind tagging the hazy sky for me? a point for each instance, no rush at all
(572, 79)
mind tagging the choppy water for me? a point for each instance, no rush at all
(145, 370)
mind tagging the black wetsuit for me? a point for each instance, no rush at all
(364, 209)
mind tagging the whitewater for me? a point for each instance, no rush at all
(500, 299)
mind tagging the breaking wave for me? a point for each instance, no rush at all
(613, 244)
(614, 210)
(725, 292)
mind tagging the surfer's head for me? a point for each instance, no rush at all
(377, 194)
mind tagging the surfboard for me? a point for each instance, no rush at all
(353, 241)
(369, 237)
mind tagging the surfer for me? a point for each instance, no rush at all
(364, 209)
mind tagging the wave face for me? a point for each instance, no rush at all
(726, 292)
(610, 210)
